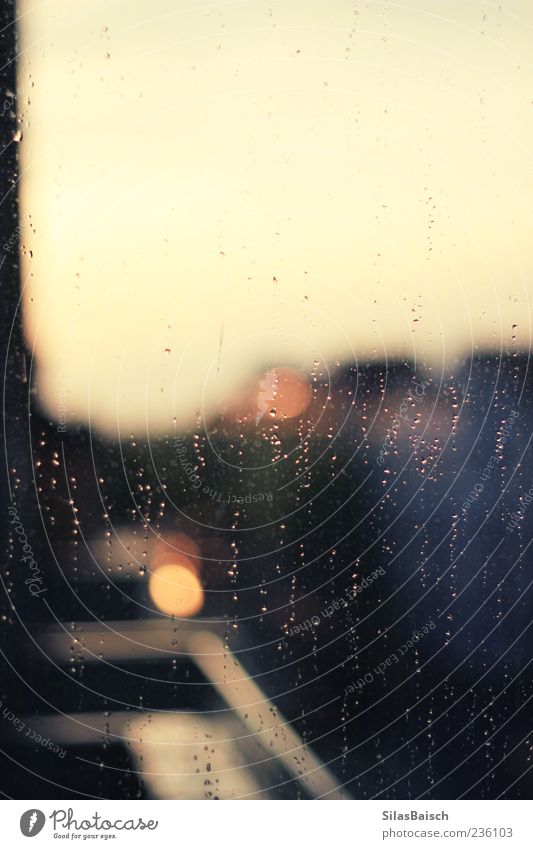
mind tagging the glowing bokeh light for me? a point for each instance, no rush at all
(176, 590)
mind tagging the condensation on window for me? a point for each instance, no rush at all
(268, 408)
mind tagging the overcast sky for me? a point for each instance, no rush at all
(217, 187)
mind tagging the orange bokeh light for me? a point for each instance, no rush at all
(176, 589)
(279, 394)
(290, 390)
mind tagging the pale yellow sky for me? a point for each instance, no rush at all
(249, 183)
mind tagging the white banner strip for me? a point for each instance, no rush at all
(246, 824)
